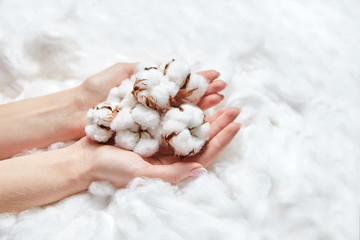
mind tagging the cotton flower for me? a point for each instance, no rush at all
(121, 96)
(176, 70)
(137, 130)
(99, 119)
(153, 89)
(185, 130)
(192, 89)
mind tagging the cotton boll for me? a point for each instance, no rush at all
(171, 126)
(124, 121)
(128, 101)
(99, 120)
(177, 114)
(195, 114)
(146, 65)
(102, 114)
(202, 131)
(182, 143)
(193, 88)
(148, 79)
(145, 81)
(113, 96)
(197, 144)
(147, 145)
(171, 87)
(185, 130)
(98, 134)
(126, 139)
(161, 95)
(176, 70)
(121, 96)
(146, 117)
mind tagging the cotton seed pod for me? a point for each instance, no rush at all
(121, 96)
(185, 130)
(152, 89)
(99, 119)
(192, 89)
(136, 130)
(176, 70)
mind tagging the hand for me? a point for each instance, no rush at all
(119, 166)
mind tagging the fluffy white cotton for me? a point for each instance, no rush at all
(147, 145)
(126, 139)
(176, 70)
(124, 121)
(146, 117)
(98, 134)
(121, 96)
(136, 130)
(185, 129)
(193, 89)
(202, 131)
(152, 89)
(99, 119)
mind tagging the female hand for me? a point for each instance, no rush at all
(119, 166)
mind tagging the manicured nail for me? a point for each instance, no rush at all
(197, 172)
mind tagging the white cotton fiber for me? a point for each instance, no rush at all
(126, 139)
(121, 96)
(201, 132)
(185, 129)
(124, 120)
(147, 145)
(99, 120)
(182, 143)
(176, 70)
(197, 86)
(145, 109)
(98, 134)
(146, 117)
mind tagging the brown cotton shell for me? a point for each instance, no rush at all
(114, 111)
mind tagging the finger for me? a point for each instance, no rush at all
(215, 86)
(212, 118)
(173, 173)
(210, 75)
(223, 120)
(218, 144)
(210, 101)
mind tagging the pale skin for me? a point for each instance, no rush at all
(43, 178)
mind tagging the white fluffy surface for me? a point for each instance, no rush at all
(185, 129)
(292, 66)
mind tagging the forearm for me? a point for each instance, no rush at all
(40, 121)
(40, 179)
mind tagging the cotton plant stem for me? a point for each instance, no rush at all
(40, 121)
(49, 177)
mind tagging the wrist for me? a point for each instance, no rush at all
(81, 163)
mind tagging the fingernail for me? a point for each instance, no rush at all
(197, 172)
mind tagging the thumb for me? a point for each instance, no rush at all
(175, 172)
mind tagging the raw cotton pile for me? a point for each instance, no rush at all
(157, 104)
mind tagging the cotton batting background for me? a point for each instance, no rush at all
(293, 67)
